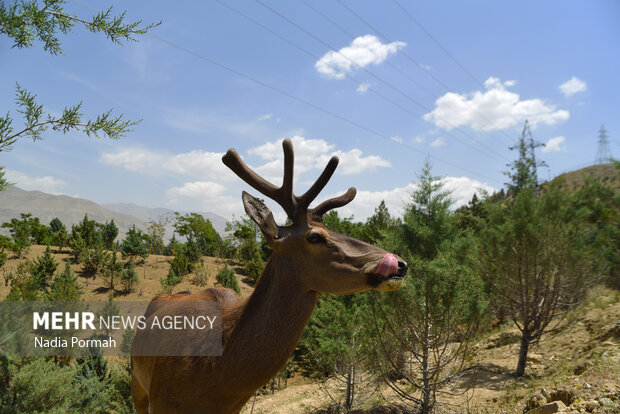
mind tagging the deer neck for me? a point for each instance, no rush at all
(271, 321)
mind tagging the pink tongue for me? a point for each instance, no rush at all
(388, 265)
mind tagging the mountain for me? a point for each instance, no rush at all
(146, 214)
(70, 210)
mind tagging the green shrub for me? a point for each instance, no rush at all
(226, 278)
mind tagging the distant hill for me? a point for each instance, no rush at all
(607, 174)
(70, 210)
(146, 214)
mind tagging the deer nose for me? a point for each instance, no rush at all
(402, 268)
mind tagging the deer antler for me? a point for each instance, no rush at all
(295, 207)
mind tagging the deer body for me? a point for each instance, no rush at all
(259, 333)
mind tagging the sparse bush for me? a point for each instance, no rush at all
(111, 271)
(201, 275)
(169, 282)
(94, 259)
(129, 277)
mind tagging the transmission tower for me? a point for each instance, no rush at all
(603, 153)
(528, 138)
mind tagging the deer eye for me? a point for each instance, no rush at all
(315, 238)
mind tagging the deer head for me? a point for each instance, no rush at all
(322, 260)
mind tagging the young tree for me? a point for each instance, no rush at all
(423, 329)
(129, 278)
(226, 278)
(134, 245)
(28, 21)
(111, 271)
(94, 259)
(109, 231)
(44, 268)
(65, 287)
(155, 233)
(250, 245)
(333, 347)
(21, 233)
(537, 260)
(58, 233)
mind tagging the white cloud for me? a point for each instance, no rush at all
(364, 204)
(397, 139)
(265, 117)
(210, 195)
(313, 154)
(196, 189)
(363, 87)
(554, 144)
(199, 164)
(439, 142)
(135, 159)
(494, 109)
(352, 162)
(364, 50)
(46, 184)
(212, 180)
(573, 86)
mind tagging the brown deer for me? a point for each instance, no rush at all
(260, 332)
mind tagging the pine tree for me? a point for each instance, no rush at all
(65, 287)
(44, 268)
(109, 231)
(129, 277)
(431, 319)
(134, 245)
(537, 260)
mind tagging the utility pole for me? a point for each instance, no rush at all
(603, 153)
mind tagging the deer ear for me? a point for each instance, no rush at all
(260, 213)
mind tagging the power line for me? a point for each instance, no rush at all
(390, 64)
(425, 69)
(312, 55)
(413, 19)
(450, 55)
(418, 64)
(347, 76)
(388, 84)
(310, 104)
(301, 100)
(396, 68)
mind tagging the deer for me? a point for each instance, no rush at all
(260, 332)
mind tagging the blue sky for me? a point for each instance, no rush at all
(381, 86)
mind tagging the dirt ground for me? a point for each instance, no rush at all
(583, 356)
(149, 273)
